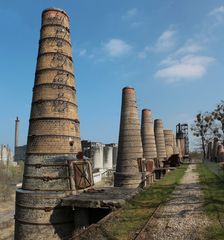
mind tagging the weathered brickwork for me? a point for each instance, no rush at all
(130, 145)
(53, 137)
(168, 135)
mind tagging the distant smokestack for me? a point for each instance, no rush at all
(16, 134)
(130, 145)
(2, 152)
(160, 141)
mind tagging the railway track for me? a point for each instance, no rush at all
(158, 208)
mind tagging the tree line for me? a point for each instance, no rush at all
(209, 125)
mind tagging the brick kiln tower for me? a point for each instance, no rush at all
(175, 148)
(160, 141)
(53, 138)
(130, 145)
(148, 136)
(168, 135)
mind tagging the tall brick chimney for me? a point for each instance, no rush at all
(148, 136)
(53, 137)
(168, 135)
(130, 145)
(160, 141)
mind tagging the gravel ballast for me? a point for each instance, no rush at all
(181, 217)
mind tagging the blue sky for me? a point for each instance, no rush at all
(170, 51)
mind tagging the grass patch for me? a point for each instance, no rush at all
(213, 189)
(124, 223)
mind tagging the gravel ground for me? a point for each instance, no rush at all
(181, 217)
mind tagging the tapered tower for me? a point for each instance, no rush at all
(175, 148)
(130, 145)
(148, 137)
(53, 137)
(168, 135)
(160, 141)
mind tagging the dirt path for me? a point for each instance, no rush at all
(181, 218)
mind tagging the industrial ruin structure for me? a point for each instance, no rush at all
(103, 156)
(215, 150)
(53, 138)
(19, 151)
(148, 140)
(182, 139)
(6, 155)
(175, 148)
(51, 203)
(16, 133)
(130, 145)
(169, 142)
(160, 142)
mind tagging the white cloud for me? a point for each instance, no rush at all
(187, 67)
(136, 24)
(166, 41)
(216, 11)
(189, 47)
(82, 52)
(181, 71)
(117, 47)
(185, 63)
(130, 14)
(143, 54)
(218, 14)
(168, 61)
(197, 60)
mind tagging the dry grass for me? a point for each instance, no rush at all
(214, 201)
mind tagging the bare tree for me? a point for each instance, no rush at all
(218, 118)
(202, 129)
